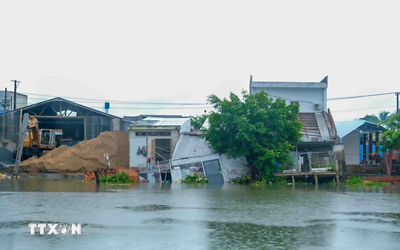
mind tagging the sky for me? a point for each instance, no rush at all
(125, 51)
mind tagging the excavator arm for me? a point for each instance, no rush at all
(33, 128)
(36, 140)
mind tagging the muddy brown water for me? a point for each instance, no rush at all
(181, 216)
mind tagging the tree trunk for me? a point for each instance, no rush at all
(254, 172)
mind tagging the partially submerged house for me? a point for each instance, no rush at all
(359, 138)
(315, 150)
(194, 154)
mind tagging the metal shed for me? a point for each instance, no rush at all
(75, 121)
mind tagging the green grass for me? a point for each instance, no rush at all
(357, 180)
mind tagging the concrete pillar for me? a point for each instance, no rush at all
(390, 158)
(364, 157)
(370, 146)
(115, 124)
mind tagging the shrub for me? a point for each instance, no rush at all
(195, 178)
(118, 178)
(355, 180)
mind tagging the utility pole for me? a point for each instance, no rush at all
(5, 100)
(15, 93)
(397, 102)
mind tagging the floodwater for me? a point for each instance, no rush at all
(181, 216)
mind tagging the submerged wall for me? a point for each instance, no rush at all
(368, 169)
(233, 168)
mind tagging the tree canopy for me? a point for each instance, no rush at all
(382, 116)
(198, 120)
(255, 127)
(391, 137)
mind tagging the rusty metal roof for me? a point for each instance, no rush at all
(317, 127)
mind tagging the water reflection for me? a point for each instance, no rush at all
(180, 216)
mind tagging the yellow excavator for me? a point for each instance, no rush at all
(37, 141)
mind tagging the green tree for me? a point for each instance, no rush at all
(382, 116)
(198, 120)
(371, 118)
(392, 134)
(256, 127)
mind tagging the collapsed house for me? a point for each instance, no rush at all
(193, 154)
(314, 152)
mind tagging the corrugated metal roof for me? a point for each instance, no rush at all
(345, 128)
(157, 121)
(191, 146)
(310, 130)
(43, 104)
(315, 127)
(323, 127)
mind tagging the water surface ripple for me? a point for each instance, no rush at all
(181, 216)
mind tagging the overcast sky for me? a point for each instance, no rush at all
(182, 51)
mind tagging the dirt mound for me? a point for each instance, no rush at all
(84, 156)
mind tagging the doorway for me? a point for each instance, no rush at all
(163, 150)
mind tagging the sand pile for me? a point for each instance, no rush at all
(84, 156)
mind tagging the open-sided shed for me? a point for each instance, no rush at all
(76, 122)
(359, 138)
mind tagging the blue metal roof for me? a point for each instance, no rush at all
(345, 128)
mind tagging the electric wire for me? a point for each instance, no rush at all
(115, 101)
(359, 96)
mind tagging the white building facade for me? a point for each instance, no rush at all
(154, 139)
(311, 96)
(7, 100)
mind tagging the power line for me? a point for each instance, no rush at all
(115, 101)
(112, 108)
(84, 101)
(171, 103)
(359, 96)
(348, 110)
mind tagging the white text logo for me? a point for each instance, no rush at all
(55, 228)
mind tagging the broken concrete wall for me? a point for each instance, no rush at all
(233, 168)
(340, 158)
